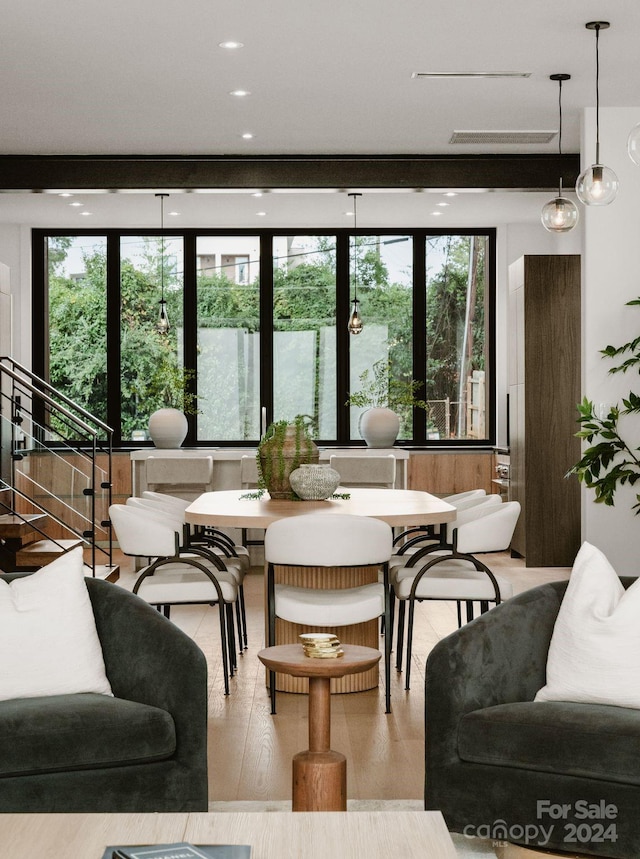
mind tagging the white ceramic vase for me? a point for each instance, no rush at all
(168, 428)
(313, 482)
(379, 427)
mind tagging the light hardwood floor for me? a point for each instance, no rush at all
(250, 751)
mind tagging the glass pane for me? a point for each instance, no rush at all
(304, 331)
(151, 373)
(228, 337)
(456, 337)
(384, 349)
(78, 320)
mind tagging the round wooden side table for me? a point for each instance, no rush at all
(319, 774)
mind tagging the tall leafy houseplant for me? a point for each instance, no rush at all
(610, 461)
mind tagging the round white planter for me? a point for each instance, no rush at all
(168, 428)
(379, 427)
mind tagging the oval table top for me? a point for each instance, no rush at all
(396, 507)
(291, 659)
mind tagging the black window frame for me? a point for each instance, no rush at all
(40, 327)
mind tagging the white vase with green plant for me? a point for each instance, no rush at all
(168, 425)
(384, 397)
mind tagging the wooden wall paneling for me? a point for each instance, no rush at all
(543, 426)
(446, 473)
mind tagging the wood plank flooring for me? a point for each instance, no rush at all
(250, 751)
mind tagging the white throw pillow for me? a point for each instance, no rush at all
(594, 655)
(48, 639)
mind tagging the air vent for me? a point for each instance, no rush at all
(502, 136)
(470, 75)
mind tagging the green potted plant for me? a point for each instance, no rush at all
(385, 399)
(284, 447)
(610, 461)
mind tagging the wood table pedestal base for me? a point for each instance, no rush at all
(319, 781)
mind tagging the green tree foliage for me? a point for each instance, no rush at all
(304, 300)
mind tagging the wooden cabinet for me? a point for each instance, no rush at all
(444, 473)
(544, 389)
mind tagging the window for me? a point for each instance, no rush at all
(258, 328)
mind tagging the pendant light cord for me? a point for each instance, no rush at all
(597, 29)
(355, 247)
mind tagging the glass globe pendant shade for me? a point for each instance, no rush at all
(559, 215)
(355, 325)
(162, 325)
(597, 186)
(633, 144)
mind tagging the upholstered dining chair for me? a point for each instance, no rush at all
(236, 558)
(456, 574)
(368, 472)
(185, 476)
(175, 576)
(328, 541)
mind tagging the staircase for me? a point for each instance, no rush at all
(55, 477)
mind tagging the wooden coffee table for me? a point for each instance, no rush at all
(271, 834)
(319, 774)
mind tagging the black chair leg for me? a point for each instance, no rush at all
(469, 610)
(407, 676)
(231, 639)
(459, 608)
(224, 641)
(243, 615)
(400, 635)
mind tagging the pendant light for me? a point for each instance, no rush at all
(561, 214)
(162, 325)
(597, 185)
(355, 320)
(633, 145)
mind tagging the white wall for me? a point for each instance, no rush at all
(611, 277)
(15, 252)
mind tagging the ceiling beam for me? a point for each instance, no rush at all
(41, 173)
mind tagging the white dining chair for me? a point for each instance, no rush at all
(336, 541)
(236, 558)
(456, 574)
(175, 576)
(368, 472)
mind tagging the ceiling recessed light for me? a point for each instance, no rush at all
(86, 213)
(443, 204)
(261, 214)
(451, 194)
(76, 204)
(247, 136)
(230, 45)
(257, 194)
(240, 93)
(65, 194)
(174, 213)
(436, 213)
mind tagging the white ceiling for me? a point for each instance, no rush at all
(328, 77)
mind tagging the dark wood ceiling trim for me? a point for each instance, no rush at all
(38, 173)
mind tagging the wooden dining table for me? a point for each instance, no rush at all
(237, 508)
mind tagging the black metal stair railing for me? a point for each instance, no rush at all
(55, 458)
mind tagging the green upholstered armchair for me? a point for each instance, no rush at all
(145, 749)
(548, 774)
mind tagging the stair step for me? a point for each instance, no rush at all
(43, 552)
(108, 574)
(13, 526)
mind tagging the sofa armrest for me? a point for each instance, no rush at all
(150, 660)
(498, 658)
